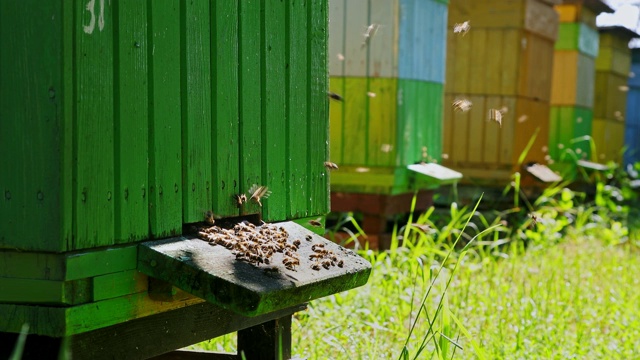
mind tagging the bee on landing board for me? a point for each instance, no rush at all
(259, 192)
(240, 199)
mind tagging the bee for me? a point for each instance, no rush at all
(296, 243)
(316, 256)
(317, 247)
(496, 115)
(259, 192)
(462, 105)
(334, 96)
(315, 266)
(371, 94)
(534, 220)
(315, 222)
(369, 33)
(308, 238)
(255, 258)
(462, 28)
(326, 264)
(340, 263)
(340, 57)
(209, 217)
(331, 166)
(241, 199)
(290, 263)
(422, 227)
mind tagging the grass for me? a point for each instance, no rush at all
(554, 278)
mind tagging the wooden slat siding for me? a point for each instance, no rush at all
(165, 135)
(608, 136)
(439, 42)
(337, 26)
(65, 321)
(94, 131)
(510, 126)
(578, 36)
(336, 111)
(119, 284)
(564, 80)
(477, 122)
(632, 130)
(482, 72)
(196, 110)
(30, 291)
(586, 81)
(382, 57)
(536, 66)
(131, 121)
(406, 38)
(67, 185)
(608, 97)
(492, 130)
(318, 135)
(356, 22)
(537, 117)
(425, 42)
(250, 99)
(634, 75)
(296, 127)
(354, 131)
(488, 13)
(224, 161)
(382, 144)
(614, 60)
(273, 117)
(429, 101)
(67, 266)
(32, 125)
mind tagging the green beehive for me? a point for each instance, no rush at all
(122, 121)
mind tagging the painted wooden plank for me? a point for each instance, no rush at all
(537, 114)
(249, 290)
(383, 48)
(67, 185)
(382, 121)
(407, 39)
(131, 121)
(337, 34)
(613, 60)
(541, 19)
(478, 119)
(250, 97)
(273, 121)
(458, 60)
(33, 291)
(510, 59)
(196, 110)
(536, 67)
(224, 161)
(488, 13)
(492, 130)
(93, 128)
(632, 129)
(429, 121)
(355, 121)
(439, 42)
(634, 74)
(482, 71)
(564, 80)
(509, 127)
(119, 284)
(610, 98)
(297, 109)
(406, 124)
(356, 22)
(318, 133)
(32, 130)
(66, 266)
(336, 111)
(165, 124)
(585, 80)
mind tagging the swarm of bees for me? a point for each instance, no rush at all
(255, 244)
(462, 28)
(322, 257)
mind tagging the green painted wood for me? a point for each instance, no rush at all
(273, 121)
(67, 186)
(65, 321)
(224, 156)
(214, 274)
(578, 36)
(131, 120)
(250, 99)
(93, 135)
(31, 135)
(297, 108)
(45, 291)
(165, 139)
(67, 266)
(318, 134)
(118, 284)
(568, 123)
(196, 110)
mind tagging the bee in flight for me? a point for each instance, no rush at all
(331, 166)
(496, 115)
(315, 222)
(334, 96)
(259, 192)
(463, 105)
(369, 33)
(462, 28)
(240, 199)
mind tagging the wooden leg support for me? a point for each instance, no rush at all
(267, 341)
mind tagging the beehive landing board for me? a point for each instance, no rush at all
(214, 274)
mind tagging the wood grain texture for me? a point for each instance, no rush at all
(196, 90)
(224, 157)
(165, 134)
(34, 141)
(30, 291)
(93, 136)
(131, 120)
(118, 284)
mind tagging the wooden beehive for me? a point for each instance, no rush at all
(504, 63)
(632, 123)
(573, 83)
(124, 121)
(392, 88)
(613, 65)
